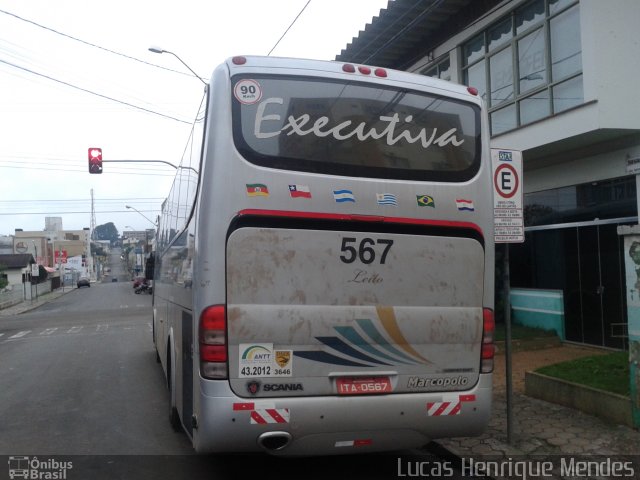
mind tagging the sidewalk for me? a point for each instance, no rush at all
(542, 428)
(35, 303)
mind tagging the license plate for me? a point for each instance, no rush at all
(363, 385)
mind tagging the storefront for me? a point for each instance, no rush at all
(572, 246)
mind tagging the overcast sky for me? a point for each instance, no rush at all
(76, 74)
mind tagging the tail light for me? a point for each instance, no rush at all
(488, 347)
(213, 342)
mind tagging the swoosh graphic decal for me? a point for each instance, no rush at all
(370, 329)
(325, 357)
(346, 349)
(352, 336)
(388, 319)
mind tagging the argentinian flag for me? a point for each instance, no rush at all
(341, 196)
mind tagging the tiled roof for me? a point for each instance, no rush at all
(407, 30)
(16, 260)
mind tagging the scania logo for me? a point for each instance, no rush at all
(253, 387)
(282, 387)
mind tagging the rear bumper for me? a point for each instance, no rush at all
(332, 425)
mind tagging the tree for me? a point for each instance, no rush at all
(108, 231)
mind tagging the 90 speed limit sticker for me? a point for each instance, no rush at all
(247, 91)
(262, 360)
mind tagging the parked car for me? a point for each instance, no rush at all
(83, 282)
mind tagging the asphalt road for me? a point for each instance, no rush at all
(79, 380)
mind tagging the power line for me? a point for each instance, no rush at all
(94, 93)
(92, 44)
(128, 172)
(136, 199)
(75, 212)
(289, 27)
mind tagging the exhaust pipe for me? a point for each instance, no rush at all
(274, 441)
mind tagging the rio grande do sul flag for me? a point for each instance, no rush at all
(257, 190)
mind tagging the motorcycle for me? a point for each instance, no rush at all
(145, 287)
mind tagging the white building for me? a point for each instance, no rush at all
(559, 79)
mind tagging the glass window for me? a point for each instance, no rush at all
(615, 198)
(566, 58)
(500, 34)
(444, 70)
(356, 129)
(476, 76)
(535, 107)
(432, 72)
(501, 72)
(557, 5)
(531, 61)
(568, 94)
(474, 50)
(529, 15)
(503, 119)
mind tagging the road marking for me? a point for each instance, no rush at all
(1, 334)
(74, 329)
(48, 331)
(102, 328)
(20, 334)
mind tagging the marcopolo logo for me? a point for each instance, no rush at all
(421, 382)
(35, 469)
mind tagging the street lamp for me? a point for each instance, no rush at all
(160, 50)
(130, 207)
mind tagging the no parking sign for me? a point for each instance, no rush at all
(507, 195)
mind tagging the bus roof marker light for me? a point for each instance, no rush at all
(472, 91)
(380, 72)
(364, 70)
(239, 60)
(347, 67)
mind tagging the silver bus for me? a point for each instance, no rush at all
(325, 263)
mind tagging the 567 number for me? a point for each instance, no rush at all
(367, 250)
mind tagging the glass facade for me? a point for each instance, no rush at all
(441, 70)
(527, 65)
(572, 245)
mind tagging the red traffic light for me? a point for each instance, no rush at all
(95, 160)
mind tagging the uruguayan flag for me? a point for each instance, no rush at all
(386, 199)
(341, 196)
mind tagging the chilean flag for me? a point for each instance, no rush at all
(299, 191)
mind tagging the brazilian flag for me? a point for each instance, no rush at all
(425, 201)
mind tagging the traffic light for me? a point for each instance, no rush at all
(95, 160)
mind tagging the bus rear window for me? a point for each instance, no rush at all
(354, 129)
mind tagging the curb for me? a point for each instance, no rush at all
(27, 306)
(600, 403)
